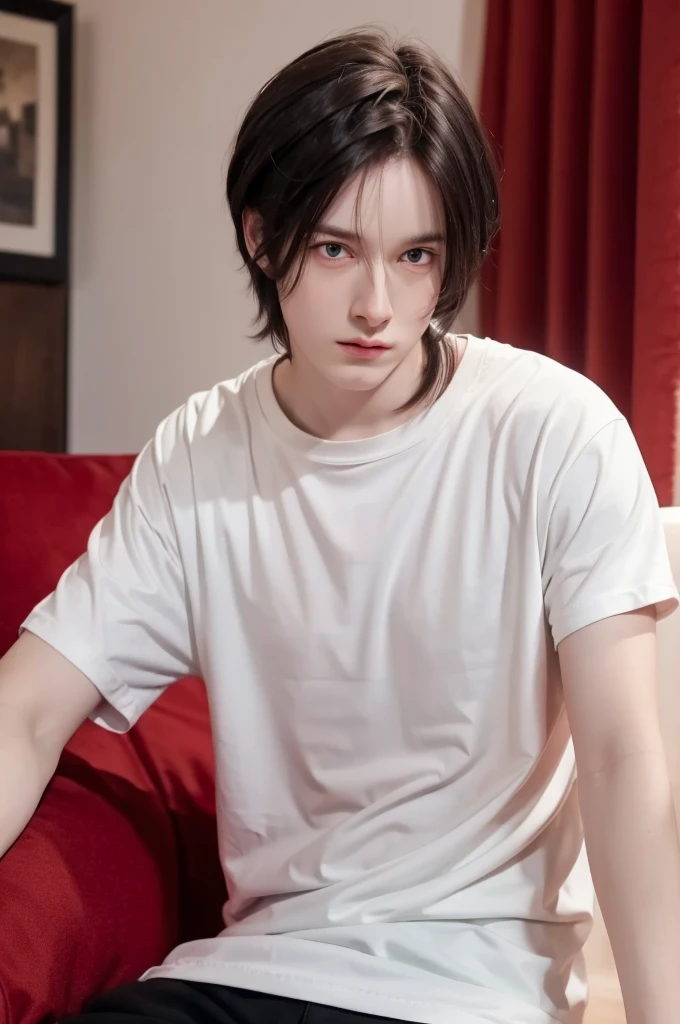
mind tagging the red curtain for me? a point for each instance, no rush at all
(582, 100)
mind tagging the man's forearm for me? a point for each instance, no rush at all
(634, 854)
(25, 770)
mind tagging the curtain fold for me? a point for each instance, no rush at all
(656, 365)
(582, 100)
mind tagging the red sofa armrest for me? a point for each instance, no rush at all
(88, 894)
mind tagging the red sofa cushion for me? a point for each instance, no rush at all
(119, 863)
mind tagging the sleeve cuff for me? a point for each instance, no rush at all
(664, 597)
(117, 712)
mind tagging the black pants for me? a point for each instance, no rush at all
(166, 1001)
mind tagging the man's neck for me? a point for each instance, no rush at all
(341, 414)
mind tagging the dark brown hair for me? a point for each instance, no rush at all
(348, 104)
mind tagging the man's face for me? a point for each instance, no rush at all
(379, 289)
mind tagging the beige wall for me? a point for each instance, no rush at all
(159, 308)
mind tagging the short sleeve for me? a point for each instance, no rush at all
(120, 612)
(604, 548)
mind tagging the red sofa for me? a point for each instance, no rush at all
(119, 863)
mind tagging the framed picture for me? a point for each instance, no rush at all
(35, 138)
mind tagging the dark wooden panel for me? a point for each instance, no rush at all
(32, 366)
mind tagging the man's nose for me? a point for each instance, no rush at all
(372, 302)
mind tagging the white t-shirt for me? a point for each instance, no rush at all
(376, 623)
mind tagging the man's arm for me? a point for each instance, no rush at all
(43, 700)
(609, 678)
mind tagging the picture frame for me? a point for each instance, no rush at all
(36, 52)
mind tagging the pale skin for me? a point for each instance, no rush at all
(608, 668)
(609, 679)
(375, 287)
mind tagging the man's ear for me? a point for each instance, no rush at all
(252, 230)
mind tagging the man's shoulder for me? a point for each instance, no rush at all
(527, 387)
(215, 416)
(534, 413)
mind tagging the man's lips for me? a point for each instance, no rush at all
(361, 349)
(362, 343)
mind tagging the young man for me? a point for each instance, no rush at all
(398, 557)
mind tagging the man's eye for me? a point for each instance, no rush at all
(416, 253)
(332, 249)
